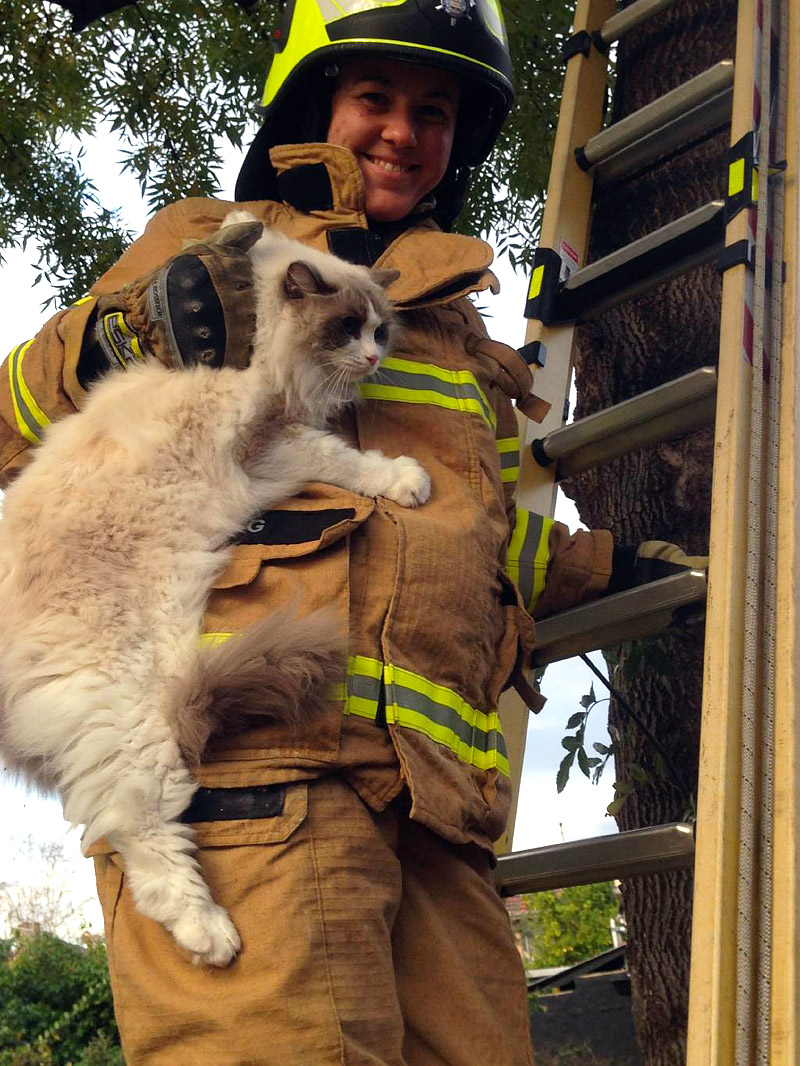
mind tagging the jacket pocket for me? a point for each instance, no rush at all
(236, 856)
(295, 557)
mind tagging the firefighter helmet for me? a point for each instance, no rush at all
(464, 37)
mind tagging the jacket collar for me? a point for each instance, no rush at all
(324, 181)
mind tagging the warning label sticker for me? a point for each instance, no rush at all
(569, 260)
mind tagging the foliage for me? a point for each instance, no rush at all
(55, 1003)
(566, 925)
(176, 78)
(625, 663)
(506, 196)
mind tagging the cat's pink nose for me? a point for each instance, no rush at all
(372, 359)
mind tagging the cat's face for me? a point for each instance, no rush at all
(343, 330)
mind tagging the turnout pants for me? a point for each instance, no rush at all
(367, 941)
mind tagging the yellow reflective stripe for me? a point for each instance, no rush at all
(421, 396)
(528, 555)
(404, 381)
(82, 300)
(414, 702)
(413, 47)
(483, 760)
(363, 689)
(541, 561)
(31, 419)
(515, 545)
(444, 696)
(735, 177)
(536, 283)
(508, 449)
(214, 638)
(360, 664)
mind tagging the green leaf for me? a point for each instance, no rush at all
(615, 806)
(639, 774)
(563, 771)
(583, 762)
(602, 748)
(576, 719)
(624, 788)
(570, 743)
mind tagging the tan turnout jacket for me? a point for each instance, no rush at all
(438, 599)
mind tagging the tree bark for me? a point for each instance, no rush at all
(662, 492)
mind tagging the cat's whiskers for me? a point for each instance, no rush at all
(337, 391)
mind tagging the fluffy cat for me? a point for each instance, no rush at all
(111, 538)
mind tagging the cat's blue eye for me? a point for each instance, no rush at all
(352, 325)
(381, 334)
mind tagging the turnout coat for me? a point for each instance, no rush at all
(438, 600)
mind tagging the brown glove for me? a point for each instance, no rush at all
(198, 307)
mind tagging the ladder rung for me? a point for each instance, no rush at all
(637, 612)
(699, 98)
(606, 858)
(618, 25)
(671, 410)
(677, 247)
(708, 118)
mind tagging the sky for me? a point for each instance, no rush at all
(543, 817)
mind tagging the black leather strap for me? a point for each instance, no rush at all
(229, 804)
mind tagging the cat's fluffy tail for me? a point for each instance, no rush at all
(281, 668)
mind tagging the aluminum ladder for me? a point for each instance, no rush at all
(744, 985)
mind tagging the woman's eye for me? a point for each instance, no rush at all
(381, 334)
(351, 325)
(374, 99)
(434, 114)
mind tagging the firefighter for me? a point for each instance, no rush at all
(355, 859)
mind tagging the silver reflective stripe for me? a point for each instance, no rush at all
(528, 555)
(31, 419)
(404, 381)
(364, 683)
(442, 715)
(508, 449)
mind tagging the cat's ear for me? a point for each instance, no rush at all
(303, 280)
(384, 278)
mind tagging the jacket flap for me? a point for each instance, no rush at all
(436, 267)
(299, 526)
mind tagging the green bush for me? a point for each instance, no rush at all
(55, 1003)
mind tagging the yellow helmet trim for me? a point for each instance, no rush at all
(308, 34)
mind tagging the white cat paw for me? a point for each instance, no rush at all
(409, 485)
(208, 934)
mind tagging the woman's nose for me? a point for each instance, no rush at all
(399, 129)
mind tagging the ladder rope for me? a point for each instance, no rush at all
(750, 994)
(774, 151)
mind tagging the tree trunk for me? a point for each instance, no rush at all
(659, 493)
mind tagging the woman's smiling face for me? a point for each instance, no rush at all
(398, 119)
